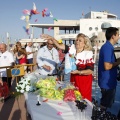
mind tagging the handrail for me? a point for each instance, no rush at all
(18, 66)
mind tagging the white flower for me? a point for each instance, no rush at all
(26, 82)
(22, 86)
(27, 79)
(17, 90)
(27, 88)
(21, 81)
(22, 91)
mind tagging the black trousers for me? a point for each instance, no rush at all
(118, 115)
(4, 79)
(108, 97)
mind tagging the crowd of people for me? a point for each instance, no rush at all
(52, 55)
(19, 55)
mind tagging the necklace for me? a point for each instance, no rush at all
(79, 52)
(51, 53)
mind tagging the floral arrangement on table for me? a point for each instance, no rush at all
(49, 88)
(24, 85)
(55, 90)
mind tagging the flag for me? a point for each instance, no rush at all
(82, 13)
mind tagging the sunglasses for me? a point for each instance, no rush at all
(50, 44)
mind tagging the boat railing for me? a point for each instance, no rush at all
(16, 71)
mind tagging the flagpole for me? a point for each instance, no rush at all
(8, 41)
(32, 37)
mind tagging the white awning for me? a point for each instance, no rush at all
(30, 40)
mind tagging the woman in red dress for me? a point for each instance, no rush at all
(82, 52)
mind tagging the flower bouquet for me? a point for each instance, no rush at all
(47, 88)
(24, 85)
(55, 90)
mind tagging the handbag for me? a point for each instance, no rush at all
(4, 91)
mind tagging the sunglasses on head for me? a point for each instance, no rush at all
(50, 44)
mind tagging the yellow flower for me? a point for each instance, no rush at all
(59, 41)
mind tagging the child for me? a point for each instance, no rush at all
(23, 57)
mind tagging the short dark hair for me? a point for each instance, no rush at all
(110, 32)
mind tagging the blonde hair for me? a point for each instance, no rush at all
(16, 48)
(18, 43)
(87, 42)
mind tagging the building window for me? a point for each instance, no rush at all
(90, 28)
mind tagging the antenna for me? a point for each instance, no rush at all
(7, 34)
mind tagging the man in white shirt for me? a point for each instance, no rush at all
(6, 59)
(30, 55)
(47, 59)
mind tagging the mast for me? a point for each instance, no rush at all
(8, 41)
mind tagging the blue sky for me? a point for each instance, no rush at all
(11, 11)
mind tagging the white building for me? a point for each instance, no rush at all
(93, 25)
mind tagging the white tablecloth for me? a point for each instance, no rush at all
(49, 110)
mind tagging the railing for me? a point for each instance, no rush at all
(16, 67)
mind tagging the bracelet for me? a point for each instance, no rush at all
(80, 72)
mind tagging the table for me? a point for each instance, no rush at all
(56, 109)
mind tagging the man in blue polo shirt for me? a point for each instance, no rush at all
(107, 68)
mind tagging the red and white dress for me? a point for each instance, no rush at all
(84, 61)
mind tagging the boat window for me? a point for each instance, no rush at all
(99, 17)
(90, 28)
(96, 28)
